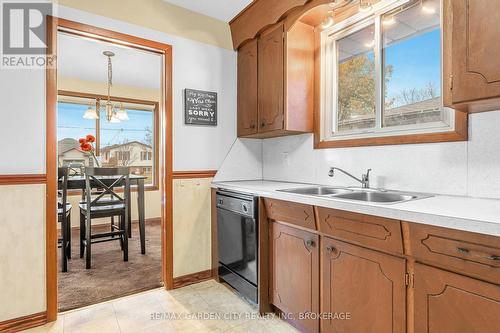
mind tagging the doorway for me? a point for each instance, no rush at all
(147, 151)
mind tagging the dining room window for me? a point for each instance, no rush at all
(131, 141)
(382, 73)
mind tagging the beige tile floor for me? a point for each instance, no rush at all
(203, 307)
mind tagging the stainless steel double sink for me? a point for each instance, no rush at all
(357, 194)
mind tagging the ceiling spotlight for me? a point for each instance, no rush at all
(334, 3)
(365, 5)
(428, 8)
(370, 44)
(328, 21)
(390, 20)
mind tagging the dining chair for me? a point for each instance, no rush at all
(96, 207)
(64, 217)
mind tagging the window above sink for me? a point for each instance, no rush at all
(382, 78)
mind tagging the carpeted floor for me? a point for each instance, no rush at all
(110, 277)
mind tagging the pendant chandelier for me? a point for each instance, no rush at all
(112, 114)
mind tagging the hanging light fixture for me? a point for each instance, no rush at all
(109, 108)
(112, 115)
(122, 113)
(365, 5)
(328, 21)
(91, 113)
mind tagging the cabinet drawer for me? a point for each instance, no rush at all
(468, 253)
(291, 212)
(366, 230)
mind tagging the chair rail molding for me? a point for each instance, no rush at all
(23, 179)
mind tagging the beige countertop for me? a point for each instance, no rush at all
(456, 212)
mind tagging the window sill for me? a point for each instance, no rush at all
(459, 134)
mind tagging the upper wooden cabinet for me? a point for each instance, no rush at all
(270, 73)
(247, 89)
(447, 303)
(474, 77)
(279, 82)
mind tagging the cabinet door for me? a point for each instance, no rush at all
(247, 89)
(294, 274)
(271, 77)
(448, 303)
(475, 49)
(361, 290)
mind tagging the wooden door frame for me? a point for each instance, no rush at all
(54, 25)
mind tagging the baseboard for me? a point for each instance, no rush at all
(186, 280)
(23, 323)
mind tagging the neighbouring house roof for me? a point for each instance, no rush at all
(103, 149)
(66, 145)
(429, 105)
(432, 104)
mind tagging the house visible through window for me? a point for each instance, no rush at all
(146, 156)
(382, 73)
(127, 143)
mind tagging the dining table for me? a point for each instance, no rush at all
(77, 182)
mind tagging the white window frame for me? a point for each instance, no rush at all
(329, 72)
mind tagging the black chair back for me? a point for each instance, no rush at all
(62, 178)
(93, 179)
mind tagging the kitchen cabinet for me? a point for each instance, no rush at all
(472, 32)
(270, 74)
(294, 274)
(247, 89)
(362, 290)
(464, 252)
(275, 89)
(291, 212)
(447, 303)
(371, 231)
(360, 273)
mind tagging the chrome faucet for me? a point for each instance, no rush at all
(365, 178)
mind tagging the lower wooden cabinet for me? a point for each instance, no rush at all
(448, 303)
(333, 279)
(361, 290)
(294, 274)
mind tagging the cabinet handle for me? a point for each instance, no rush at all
(467, 251)
(330, 249)
(263, 124)
(252, 126)
(310, 243)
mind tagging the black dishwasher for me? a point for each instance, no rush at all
(237, 239)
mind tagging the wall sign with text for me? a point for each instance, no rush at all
(200, 107)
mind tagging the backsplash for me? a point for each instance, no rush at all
(458, 168)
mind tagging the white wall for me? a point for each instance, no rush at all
(196, 65)
(22, 147)
(458, 168)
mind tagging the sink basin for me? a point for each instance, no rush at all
(379, 197)
(356, 194)
(317, 190)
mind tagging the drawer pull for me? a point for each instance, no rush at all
(310, 243)
(463, 250)
(330, 249)
(493, 257)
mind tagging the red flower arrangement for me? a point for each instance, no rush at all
(86, 146)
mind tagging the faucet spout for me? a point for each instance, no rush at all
(365, 178)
